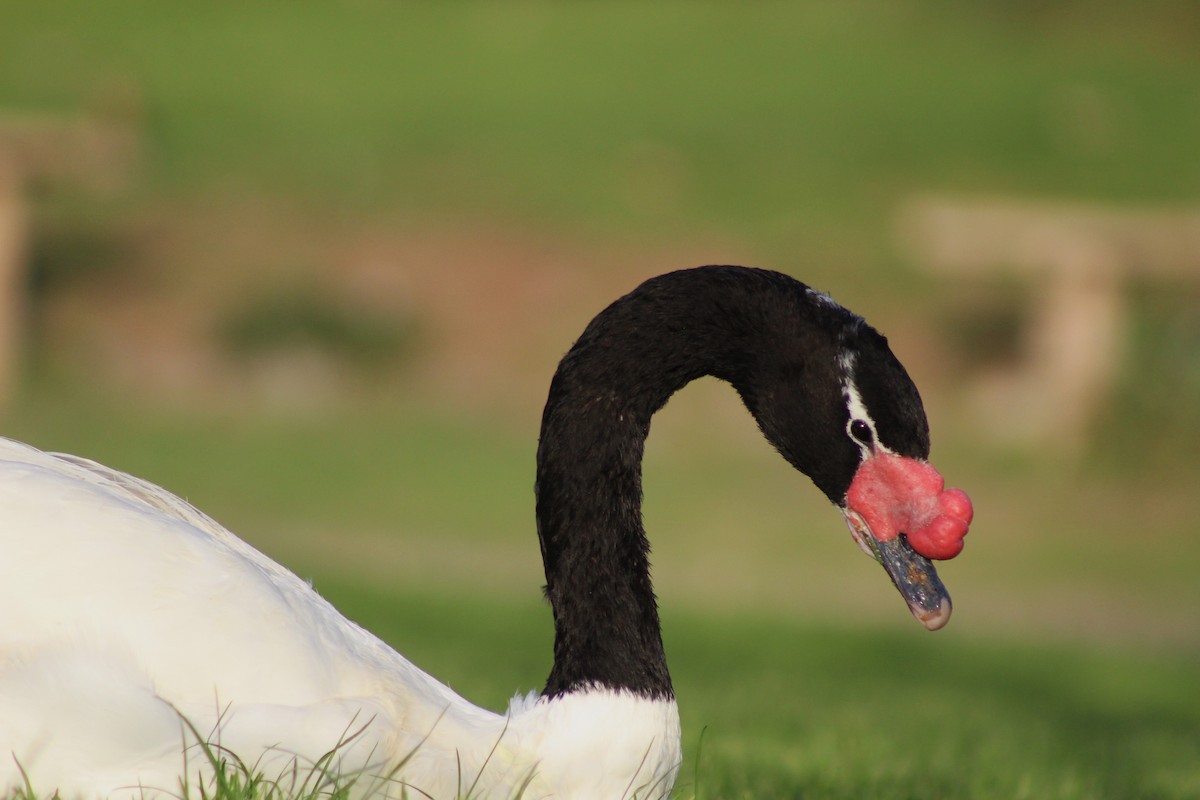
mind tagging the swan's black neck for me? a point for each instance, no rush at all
(782, 347)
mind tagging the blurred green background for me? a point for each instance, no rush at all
(311, 265)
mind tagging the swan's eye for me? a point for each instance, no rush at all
(862, 432)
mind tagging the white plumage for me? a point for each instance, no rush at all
(122, 603)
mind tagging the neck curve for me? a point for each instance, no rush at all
(720, 321)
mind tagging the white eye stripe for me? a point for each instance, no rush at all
(858, 413)
(858, 410)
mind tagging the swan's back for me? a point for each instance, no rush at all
(107, 557)
(117, 596)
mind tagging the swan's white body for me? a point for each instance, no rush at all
(124, 611)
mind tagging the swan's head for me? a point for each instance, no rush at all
(846, 413)
(896, 504)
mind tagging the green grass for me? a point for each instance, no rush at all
(778, 708)
(218, 773)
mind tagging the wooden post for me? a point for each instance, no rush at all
(14, 235)
(82, 150)
(1078, 260)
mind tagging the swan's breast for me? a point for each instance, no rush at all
(601, 744)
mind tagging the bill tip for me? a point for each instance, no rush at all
(936, 618)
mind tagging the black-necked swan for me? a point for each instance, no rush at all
(124, 611)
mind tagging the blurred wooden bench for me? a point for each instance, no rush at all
(1077, 260)
(91, 153)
